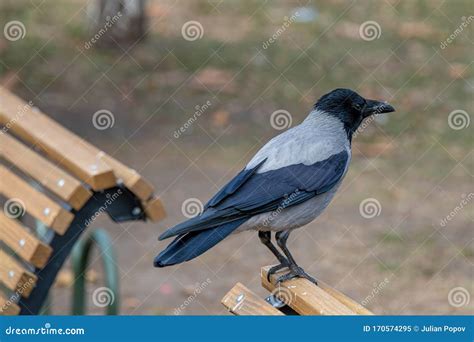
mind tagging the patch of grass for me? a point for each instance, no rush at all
(390, 238)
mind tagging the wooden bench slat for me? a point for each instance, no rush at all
(347, 301)
(8, 308)
(36, 203)
(138, 185)
(46, 173)
(154, 209)
(241, 301)
(14, 276)
(75, 154)
(23, 243)
(303, 296)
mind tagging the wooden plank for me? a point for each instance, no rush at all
(46, 173)
(241, 301)
(75, 154)
(139, 186)
(36, 203)
(14, 276)
(24, 244)
(303, 296)
(7, 307)
(154, 209)
(347, 301)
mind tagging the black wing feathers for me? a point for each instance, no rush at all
(252, 193)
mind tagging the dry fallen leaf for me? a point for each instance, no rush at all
(220, 119)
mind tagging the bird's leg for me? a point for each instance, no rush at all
(295, 270)
(266, 239)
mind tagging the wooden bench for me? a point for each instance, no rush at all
(295, 297)
(52, 176)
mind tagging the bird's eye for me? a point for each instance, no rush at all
(357, 106)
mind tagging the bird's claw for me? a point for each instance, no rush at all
(276, 268)
(296, 272)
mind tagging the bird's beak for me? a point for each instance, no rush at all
(377, 107)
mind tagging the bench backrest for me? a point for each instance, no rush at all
(58, 179)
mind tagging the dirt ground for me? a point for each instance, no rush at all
(400, 262)
(414, 255)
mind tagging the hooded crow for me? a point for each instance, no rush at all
(287, 184)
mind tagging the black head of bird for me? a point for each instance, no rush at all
(350, 107)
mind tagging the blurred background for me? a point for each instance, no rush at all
(195, 88)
